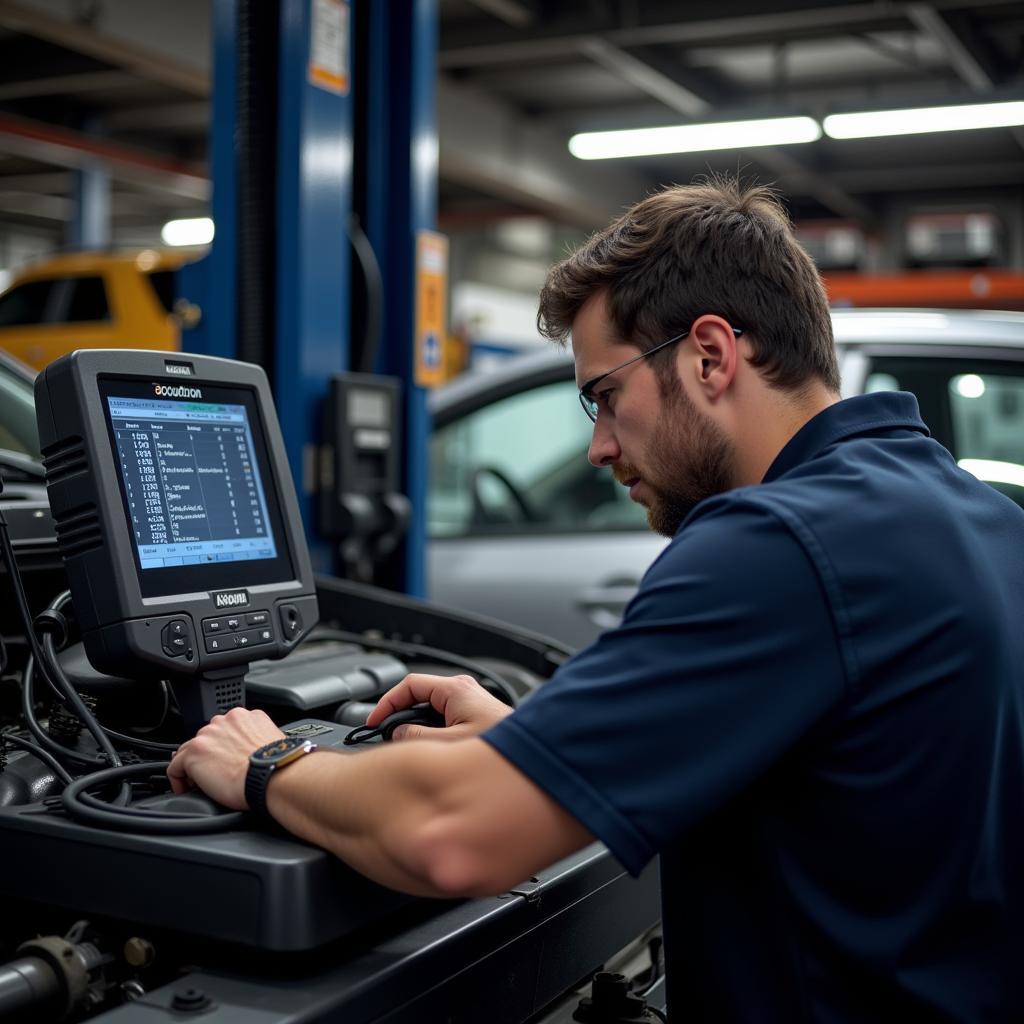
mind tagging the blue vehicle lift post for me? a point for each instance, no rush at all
(396, 189)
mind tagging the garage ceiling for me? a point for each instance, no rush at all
(127, 81)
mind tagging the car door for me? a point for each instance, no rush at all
(523, 528)
(972, 400)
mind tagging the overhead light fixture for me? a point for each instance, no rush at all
(877, 123)
(188, 231)
(694, 138)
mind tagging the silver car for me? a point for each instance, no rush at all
(522, 528)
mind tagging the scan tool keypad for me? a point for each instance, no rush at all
(232, 632)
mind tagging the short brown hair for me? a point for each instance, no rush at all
(712, 247)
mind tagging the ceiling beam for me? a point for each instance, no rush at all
(43, 183)
(57, 85)
(33, 204)
(61, 147)
(794, 174)
(517, 13)
(920, 176)
(642, 75)
(127, 41)
(563, 38)
(966, 54)
(967, 62)
(191, 115)
(677, 23)
(491, 148)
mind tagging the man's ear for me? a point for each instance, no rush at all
(715, 355)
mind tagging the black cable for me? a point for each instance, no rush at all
(37, 751)
(113, 815)
(137, 819)
(78, 706)
(44, 738)
(373, 281)
(660, 1014)
(141, 744)
(505, 692)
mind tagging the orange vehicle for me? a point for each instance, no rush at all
(95, 299)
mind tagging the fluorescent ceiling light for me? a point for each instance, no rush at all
(873, 124)
(694, 138)
(190, 231)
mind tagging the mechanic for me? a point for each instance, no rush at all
(813, 709)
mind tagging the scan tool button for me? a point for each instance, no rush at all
(291, 621)
(247, 639)
(257, 619)
(216, 644)
(211, 626)
(175, 638)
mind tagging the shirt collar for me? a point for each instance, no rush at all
(886, 410)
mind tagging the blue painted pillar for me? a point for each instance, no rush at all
(313, 200)
(90, 222)
(212, 282)
(401, 200)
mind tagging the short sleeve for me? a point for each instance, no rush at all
(725, 658)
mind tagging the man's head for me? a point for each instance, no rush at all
(708, 261)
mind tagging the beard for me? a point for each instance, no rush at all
(692, 459)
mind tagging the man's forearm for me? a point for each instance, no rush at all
(428, 817)
(381, 811)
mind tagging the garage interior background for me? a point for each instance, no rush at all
(105, 117)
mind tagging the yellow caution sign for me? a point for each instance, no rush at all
(431, 300)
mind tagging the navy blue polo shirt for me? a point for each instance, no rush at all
(814, 712)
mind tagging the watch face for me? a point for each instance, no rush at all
(274, 751)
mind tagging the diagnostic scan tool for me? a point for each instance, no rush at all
(176, 517)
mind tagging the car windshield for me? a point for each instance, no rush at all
(18, 431)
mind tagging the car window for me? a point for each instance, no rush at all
(25, 304)
(519, 465)
(974, 407)
(163, 285)
(87, 300)
(18, 431)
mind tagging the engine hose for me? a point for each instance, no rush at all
(29, 983)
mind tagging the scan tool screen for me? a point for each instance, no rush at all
(193, 472)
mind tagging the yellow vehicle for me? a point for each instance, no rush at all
(98, 299)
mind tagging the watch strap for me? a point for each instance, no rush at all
(256, 780)
(262, 765)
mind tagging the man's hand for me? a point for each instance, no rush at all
(216, 759)
(467, 707)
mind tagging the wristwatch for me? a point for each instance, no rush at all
(264, 762)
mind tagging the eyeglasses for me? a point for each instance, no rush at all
(587, 398)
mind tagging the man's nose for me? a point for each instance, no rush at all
(604, 449)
